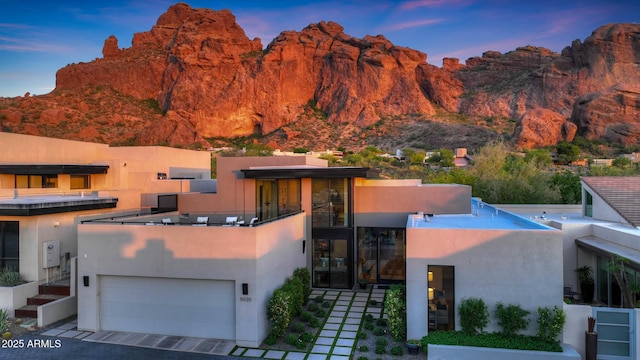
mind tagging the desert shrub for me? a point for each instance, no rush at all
(318, 299)
(306, 316)
(312, 307)
(363, 358)
(320, 313)
(4, 325)
(395, 305)
(305, 278)
(326, 304)
(397, 350)
(314, 322)
(382, 341)
(381, 349)
(361, 335)
(291, 339)
(512, 318)
(306, 337)
(271, 339)
(373, 302)
(550, 322)
(369, 326)
(474, 315)
(368, 318)
(381, 322)
(8, 277)
(363, 348)
(298, 327)
(378, 331)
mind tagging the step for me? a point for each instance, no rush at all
(42, 299)
(27, 311)
(29, 323)
(55, 289)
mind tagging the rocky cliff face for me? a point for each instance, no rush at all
(528, 78)
(201, 77)
(201, 66)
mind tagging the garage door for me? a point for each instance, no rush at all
(197, 308)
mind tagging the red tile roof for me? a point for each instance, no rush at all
(621, 193)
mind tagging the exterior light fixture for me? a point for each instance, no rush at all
(430, 276)
(430, 293)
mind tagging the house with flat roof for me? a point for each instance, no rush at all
(46, 184)
(342, 223)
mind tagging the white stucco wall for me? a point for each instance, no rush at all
(252, 255)
(521, 267)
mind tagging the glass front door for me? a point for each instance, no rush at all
(381, 254)
(330, 263)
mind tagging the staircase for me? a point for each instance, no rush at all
(47, 294)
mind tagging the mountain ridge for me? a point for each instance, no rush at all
(195, 78)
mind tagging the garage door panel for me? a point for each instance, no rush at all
(188, 307)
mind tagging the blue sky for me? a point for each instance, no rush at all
(39, 37)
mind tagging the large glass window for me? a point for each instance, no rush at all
(9, 245)
(440, 294)
(80, 182)
(36, 181)
(330, 202)
(381, 254)
(607, 288)
(277, 197)
(330, 263)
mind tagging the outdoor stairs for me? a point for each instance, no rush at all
(47, 294)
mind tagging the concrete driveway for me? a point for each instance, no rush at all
(34, 346)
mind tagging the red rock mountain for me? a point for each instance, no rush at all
(209, 80)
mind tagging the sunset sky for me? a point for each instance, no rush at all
(39, 37)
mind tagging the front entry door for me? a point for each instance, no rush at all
(330, 263)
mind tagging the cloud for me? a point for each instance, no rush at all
(411, 24)
(26, 45)
(414, 4)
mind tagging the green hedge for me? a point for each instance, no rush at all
(286, 301)
(489, 340)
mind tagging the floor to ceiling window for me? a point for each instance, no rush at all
(381, 254)
(277, 197)
(332, 233)
(440, 294)
(330, 203)
(9, 245)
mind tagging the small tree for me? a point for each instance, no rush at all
(617, 268)
(474, 315)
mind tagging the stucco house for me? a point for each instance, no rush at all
(45, 184)
(342, 223)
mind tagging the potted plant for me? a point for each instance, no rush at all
(591, 340)
(587, 286)
(363, 283)
(413, 346)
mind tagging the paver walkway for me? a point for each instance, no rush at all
(336, 339)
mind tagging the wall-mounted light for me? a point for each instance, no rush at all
(56, 224)
(430, 293)
(245, 289)
(430, 276)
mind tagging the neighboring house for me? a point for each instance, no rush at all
(45, 184)
(342, 223)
